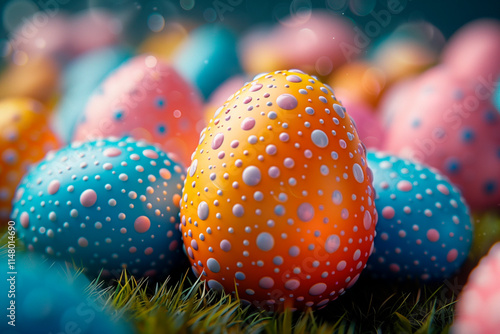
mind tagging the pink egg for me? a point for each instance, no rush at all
(93, 29)
(474, 50)
(147, 99)
(450, 124)
(314, 43)
(367, 124)
(478, 307)
(393, 101)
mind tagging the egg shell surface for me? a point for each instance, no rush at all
(424, 229)
(146, 99)
(51, 297)
(25, 138)
(278, 197)
(108, 204)
(478, 306)
(451, 124)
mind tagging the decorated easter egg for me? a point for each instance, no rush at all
(450, 124)
(50, 298)
(25, 138)
(147, 99)
(81, 78)
(104, 205)
(359, 81)
(278, 201)
(43, 82)
(473, 51)
(316, 42)
(207, 57)
(478, 306)
(424, 229)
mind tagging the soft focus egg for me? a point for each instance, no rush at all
(478, 306)
(367, 123)
(81, 78)
(43, 82)
(316, 42)
(393, 101)
(278, 198)
(473, 51)
(359, 81)
(165, 43)
(107, 204)
(424, 229)
(24, 139)
(450, 124)
(147, 99)
(207, 57)
(51, 298)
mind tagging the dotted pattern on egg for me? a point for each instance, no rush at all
(24, 139)
(424, 229)
(106, 204)
(278, 198)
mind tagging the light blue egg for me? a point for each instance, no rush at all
(208, 57)
(80, 79)
(104, 205)
(50, 298)
(424, 227)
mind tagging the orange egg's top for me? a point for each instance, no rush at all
(278, 200)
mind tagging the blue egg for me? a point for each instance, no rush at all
(424, 227)
(208, 57)
(107, 205)
(50, 298)
(80, 79)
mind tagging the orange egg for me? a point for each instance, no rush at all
(278, 201)
(24, 139)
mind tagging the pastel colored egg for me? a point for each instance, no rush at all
(43, 83)
(450, 124)
(93, 29)
(81, 77)
(472, 52)
(278, 199)
(104, 205)
(147, 99)
(25, 138)
(207, 57)
(424, 229)
(367, 124)
(359, 81)
(478, 306)
(49, 298)
(316, 42)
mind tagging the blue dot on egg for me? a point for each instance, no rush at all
(468, 135)
(160, 102)
(453, 165)
(490, 187)
(118, 115)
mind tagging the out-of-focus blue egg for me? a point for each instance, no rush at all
(80, 79)
(208, 57)
(50, 298)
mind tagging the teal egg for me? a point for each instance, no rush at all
(208, 57)
(79, 81)
(50, 298)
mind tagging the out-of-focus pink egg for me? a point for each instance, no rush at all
(473, 51)
(478, 307)
(450, 124)
(313, 44)
(394, 100)
(93, 29)
(147, 99)
(367, 123)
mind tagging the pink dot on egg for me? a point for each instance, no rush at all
(142, 224)
(404, 185)
(394, 268)
(217, 141)
(88, 198)
(443, 189)
(388, 212)
(150, 154)
(82, 242)
(148, 251)
(452, 255)
(165, 173)
(255, 87)
(293, 78)
(25, 219)
(247, 100)
(53, 187)
(132, 250)
(173, 245)
(287, 101)
(248, 123)
(112, 152)
(432, 235)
